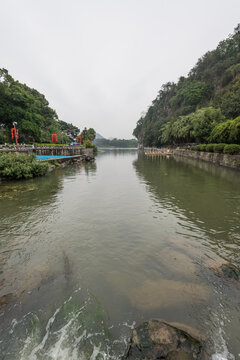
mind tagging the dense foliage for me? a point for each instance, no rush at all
(88, 134)
(89, 145)
(30, 109)
(202, 107)
(218, 148)
(18, 166)
(118, 143)
(69, 131)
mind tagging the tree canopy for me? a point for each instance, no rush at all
(208, 97)
(35, 118)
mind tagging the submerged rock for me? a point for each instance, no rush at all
(5, 299)
(161, 293)
(164, 293)
(230, 271)
(176, 263)
(226, 270)
(157, 339)
(39, 276)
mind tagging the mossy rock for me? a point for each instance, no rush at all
(157, 339)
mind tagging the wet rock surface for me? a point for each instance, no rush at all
(157, 339)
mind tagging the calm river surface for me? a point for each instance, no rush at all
(88, 251)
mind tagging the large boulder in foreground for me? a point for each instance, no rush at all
(157, 339)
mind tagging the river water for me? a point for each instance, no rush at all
(89, 251)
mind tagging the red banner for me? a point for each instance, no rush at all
(54, 138)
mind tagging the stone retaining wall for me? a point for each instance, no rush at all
(52, 150)
(150, 150)
(60, 150)
(232, 161)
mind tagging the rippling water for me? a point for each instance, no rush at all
(88, 251)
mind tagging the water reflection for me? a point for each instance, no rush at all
(205, 201)
(90, 168)
(206, 196)
(111, 243)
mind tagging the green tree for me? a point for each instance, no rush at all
(203, 121)
(88, 134)
(191, 108)
(227, 132)
(91, 134)
(84, 134)
(30, 109)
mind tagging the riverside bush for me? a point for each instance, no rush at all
(202, 147)
(88, 144)
(198, 147)
(231, 149)
(21, 166)
(209, 147)
(218, 148)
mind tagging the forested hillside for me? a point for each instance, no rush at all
(118, 143)
(30, 109)
(203, 107)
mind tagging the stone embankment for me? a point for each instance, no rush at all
(51, 150)
(232, 161)
(153, 151)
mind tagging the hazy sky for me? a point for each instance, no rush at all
(100, 63)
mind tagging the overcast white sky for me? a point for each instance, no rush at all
(100, 63)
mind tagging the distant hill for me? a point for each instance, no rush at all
(98, 136)
(202, 107)
(118, 143)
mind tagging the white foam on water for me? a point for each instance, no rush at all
(27, 342)
(13, 324)
(131, 326)
(70, 333)
(57, 351)
(221, 349)
(43, 342)
(95, 353)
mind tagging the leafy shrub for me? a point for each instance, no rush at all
(18, 166)
(198, 147)
(209, 147)
(218, 148)
(202, 147)
(88, 144)
(231, 149)
(195, 148)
